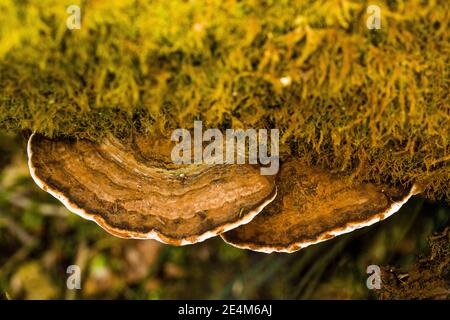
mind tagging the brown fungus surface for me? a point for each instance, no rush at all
(313, 205)
(131, 188)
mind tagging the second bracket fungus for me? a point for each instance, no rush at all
(313, 206)
(130, 187)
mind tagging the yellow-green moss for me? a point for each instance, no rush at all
(373, 103)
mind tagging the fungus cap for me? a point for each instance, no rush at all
(312, 206)
(130, 187)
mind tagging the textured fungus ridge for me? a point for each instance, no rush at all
(130, 187)
(313, 206)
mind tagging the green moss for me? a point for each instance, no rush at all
(373, 103)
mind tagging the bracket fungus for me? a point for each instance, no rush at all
(130, 187)
(313, 206)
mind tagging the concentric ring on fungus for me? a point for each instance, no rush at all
(130, 187)
(312, 206)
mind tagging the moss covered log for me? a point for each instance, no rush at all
(370, 103)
